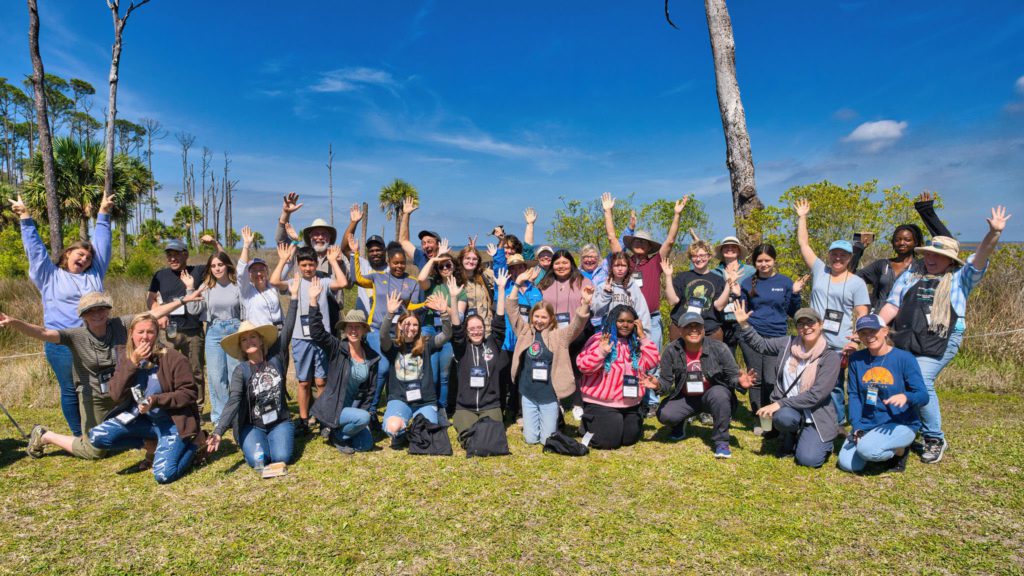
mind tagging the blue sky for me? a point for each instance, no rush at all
(489, 107)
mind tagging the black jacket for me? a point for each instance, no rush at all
(332, 400)
(716, 362)
(488, 352)
(237, 412)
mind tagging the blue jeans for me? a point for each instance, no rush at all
(219, 366)
(440, 364)
(875, 446)
(276, 444)
(355, 428)
(59, 358)
(539, 420)
(397, 408)
(383, 366)
(931, 416)
(173, 455)
(651, 396)
(839, 395)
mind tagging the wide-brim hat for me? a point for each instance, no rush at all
(319, 223)
(352, 317)
(93, 300)
(943, 246)
(641, 235)
(731, 241)
(232, 344)
(516, 260)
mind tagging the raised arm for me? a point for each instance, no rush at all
(803, 208)
(289, 205)
(925, 206)
(670, 289)
(30, 330)
(530, 215)
(607, 204)
(40, 267)
(394, 303)
(357, 274)
(439, 304)
(424, 276)
(996, 225)
(355, 215)
(101, 238)
(285, 252)
(673, 229)
(317, 333)
(409, 206)
(339, 280)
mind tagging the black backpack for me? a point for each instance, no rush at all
(561, 443)
(425, 437)
(486, 437)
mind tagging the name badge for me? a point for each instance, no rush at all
(413, 393)
(695, 305)
(437, 320)
(125, 418)
(524, 310)
(639, 279)
(562, 319)
(104, 379)
(477, 377)
(269, 417)
(139, 394)
(729, 311)
(540, 371)
(872, 397)
(694, 383)
(630, 387)
(833, 321)
(304, 322)
(471, 312)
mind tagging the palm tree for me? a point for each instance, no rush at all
(391, 198)
(79, 174)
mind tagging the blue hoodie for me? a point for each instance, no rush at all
(528, 296)
(894, 373)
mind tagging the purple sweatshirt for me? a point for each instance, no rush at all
(61, 290)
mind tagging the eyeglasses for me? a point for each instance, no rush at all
(700, 257)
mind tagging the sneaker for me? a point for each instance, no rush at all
(35, 442)
(934, 448)
(302, 428)
(678, 431)
(706, 419)
(345, 447)
(722, 450)
(787, 446)
(400, 442)
(898, 463)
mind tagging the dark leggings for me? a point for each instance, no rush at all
(612, 427)
(767, 371)
(718, 400)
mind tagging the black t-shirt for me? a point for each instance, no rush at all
(536, 361)
(169, 285)
(699, 290)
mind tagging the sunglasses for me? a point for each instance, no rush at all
(446, 266)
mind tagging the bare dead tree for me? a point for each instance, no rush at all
(229, 188)
(45, 138)
(115, 64)
(738, 156)
(204, 169)
(366, 220)
(154, 131)
(330, 178)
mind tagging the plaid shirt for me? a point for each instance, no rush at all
(964, 280)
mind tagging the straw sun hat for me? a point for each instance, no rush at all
(232, 344)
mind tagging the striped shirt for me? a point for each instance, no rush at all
(604, 387)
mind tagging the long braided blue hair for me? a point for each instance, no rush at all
(609, 327)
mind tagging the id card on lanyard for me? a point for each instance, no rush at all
(541, 371)
(562, 319)
(304, 320)
(872, 395)
(638, 278)
(833, 322)
(695, 305)
(630, 386)
(103, 377)
(413, 392)
(694, 383)
(477, 376)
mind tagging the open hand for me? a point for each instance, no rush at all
(409, 205)
(800, 282)
(187, 280)
(739, 310)
(605, 344)
(748, 379)
(681, 204)
(394, 302)
(334, 252)
(294, 284)
(501, 279)
(607, 201)
(997, 223)
(355, 213)
(247, 236)
(802, 207)
(437, 303)
(291, 203)
(213, 443)
(315, 288)
(530, 215)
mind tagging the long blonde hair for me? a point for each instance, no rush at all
(158, 348)
(418, 344)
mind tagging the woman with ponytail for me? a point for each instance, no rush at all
(615, 364)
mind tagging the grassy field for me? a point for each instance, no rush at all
(655, 508)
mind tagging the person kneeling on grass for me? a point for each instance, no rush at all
(345, 405)
(156, 398)
(615, 363)
(479, 360)
(801, 407)
(886, 394)
(541, 363)
(698, 374)
(411, 389)
(257, 405)
(94, 359)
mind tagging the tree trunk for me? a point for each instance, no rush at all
(398, 221)
(83, 227)
(330, 178)
(734, 122)
(366, 220)
(45, 139)
(115, 64)
(123, 233)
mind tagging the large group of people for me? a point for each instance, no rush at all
(529, 338)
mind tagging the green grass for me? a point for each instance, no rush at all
(656, 508)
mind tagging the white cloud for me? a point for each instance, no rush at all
(350, 79)
(876, 136)
(1019, 85)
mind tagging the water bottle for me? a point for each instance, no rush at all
(258, 457)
